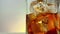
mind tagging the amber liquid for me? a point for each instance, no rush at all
(35, 27)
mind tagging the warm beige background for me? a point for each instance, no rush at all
(12, 15)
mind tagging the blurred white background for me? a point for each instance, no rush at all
(12, 15)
